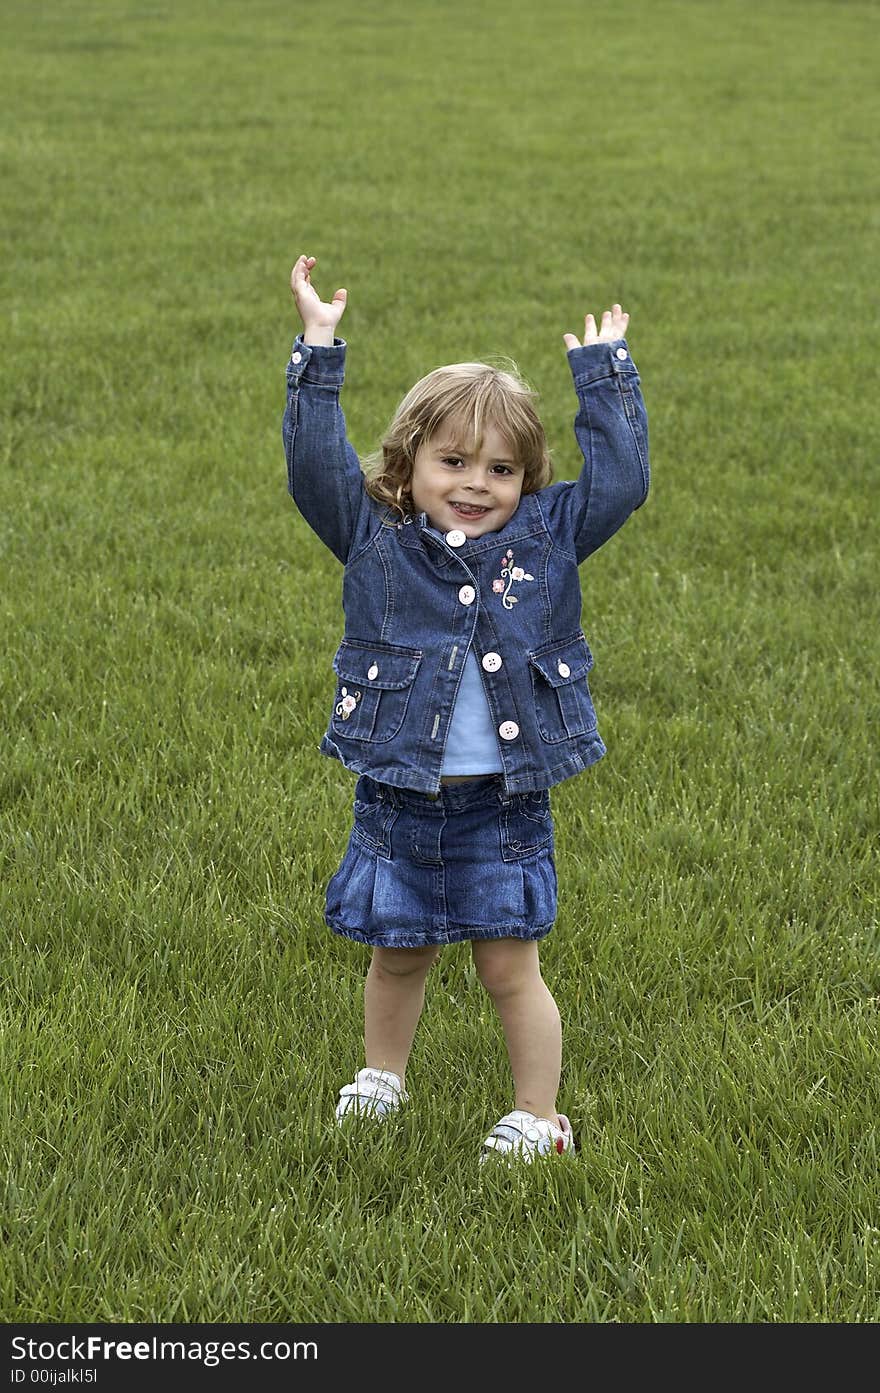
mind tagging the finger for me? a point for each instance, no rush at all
(341, 295)
(300, 270)
(571, 341)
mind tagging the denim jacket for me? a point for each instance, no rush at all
(415, 602)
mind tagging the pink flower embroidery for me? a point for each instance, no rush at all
(512, 573)
(347, 704)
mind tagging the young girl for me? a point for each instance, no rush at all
(461, 693)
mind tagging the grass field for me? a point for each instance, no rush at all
(176, 1019)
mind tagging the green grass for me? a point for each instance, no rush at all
(175, 1017)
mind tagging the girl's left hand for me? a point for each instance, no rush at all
(614, 323)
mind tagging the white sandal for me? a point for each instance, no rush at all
(375, 1093)
(521, 1136)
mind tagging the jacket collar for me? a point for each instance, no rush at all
(527, 521)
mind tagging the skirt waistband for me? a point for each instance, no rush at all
(451, 798)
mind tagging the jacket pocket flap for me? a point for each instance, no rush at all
(379, 665)
(561, 663)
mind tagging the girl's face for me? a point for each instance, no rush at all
(472, 491)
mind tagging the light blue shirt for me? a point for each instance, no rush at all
(472, 744)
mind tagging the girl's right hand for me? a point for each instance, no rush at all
(313, 311)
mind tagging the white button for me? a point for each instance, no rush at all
(373, 672)
(508, 730)
(467, 594)
(297, 358)
(491, 661)
(563, 669)
(621, 352)
(456, 538)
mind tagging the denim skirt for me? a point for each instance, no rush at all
(468, 862)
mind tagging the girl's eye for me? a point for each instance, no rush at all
(451, 459)
(502, 469)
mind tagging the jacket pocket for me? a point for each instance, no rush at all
(563, 705)
(373, 689)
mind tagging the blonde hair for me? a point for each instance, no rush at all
(463, 398)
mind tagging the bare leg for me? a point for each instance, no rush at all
(394, 994)
(511, 973)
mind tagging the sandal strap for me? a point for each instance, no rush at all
(374, 1083)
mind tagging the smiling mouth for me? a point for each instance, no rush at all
(470, 510)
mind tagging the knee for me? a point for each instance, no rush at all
(403, 962)
(506, 968)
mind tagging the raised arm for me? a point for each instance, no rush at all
(323, 474)
(611, 428)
